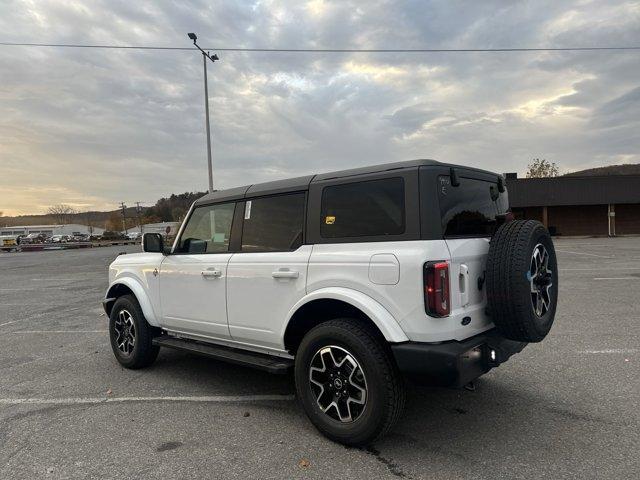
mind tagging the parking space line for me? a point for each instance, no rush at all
(597, 268)
(98, 400)
(58, 331)
(584, 253)
(611, 350)
(616, 278)
(30, 289)
(9, 323)
(580, 245)
(38, 315)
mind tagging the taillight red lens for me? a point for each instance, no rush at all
(436, 289)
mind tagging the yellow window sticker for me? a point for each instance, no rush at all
(330, 220)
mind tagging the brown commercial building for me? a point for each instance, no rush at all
(579, 205)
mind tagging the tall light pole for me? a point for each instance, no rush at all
(213, 58)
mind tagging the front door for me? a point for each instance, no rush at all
(193, 278)
(269, 275)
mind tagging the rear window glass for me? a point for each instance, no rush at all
(363, 209)
(273, 224)
(470, 209)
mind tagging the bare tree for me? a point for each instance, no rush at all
(61, 212)
(542, 168)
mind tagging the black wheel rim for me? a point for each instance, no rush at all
(338, 383)
(125, 332)
(541, 280)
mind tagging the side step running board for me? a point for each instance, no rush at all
(260, 361)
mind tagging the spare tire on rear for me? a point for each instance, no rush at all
(522, 280)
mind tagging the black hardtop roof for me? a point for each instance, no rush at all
(302, 183)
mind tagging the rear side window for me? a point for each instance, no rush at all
(363, 209)
(470, 209)
(208, 229)
(273, 224)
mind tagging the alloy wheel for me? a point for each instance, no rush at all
(338, 383)
(541, 280)
(125, 331)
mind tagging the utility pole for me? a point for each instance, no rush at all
(124, 217)
(89, 226)
(213, 58)
(138, 210)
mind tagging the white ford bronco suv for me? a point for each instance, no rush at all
(355, 280)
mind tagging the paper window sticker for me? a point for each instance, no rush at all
(247, 210)
(330, 219)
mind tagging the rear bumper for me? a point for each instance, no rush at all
(454, 364)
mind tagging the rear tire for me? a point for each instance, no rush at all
(522, 280)
(131, 336)
(366, 387)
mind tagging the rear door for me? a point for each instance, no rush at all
(268, 276)
(469, 212)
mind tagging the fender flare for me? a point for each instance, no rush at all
(140, 294)
(380, 316)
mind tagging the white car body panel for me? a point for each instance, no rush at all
(385, 322)
(261, 287)
(245, 304)
(348, 265)
(193, 294)
(136, 271)
(467, 300)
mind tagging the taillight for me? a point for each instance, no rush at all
(436, 289)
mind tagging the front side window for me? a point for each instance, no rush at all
(363, 209)
(273, 224)
(207, 230)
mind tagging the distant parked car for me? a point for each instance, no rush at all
(110, 235)
(34, 238)
(134, 235)
(95, 238)
(58, 239)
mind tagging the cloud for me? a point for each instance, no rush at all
(96, 127)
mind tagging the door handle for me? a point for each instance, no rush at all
(285, 273)
(214, 272)
(464, 285)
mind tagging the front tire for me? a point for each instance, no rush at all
(131, 336)
(348, 383)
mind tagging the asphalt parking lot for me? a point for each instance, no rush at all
(564, 408)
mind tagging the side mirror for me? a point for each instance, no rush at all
(152, 243)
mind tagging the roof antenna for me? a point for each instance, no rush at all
(454, 177)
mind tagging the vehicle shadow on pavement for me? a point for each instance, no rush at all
(474, 429)
(440, 427)
(197, 375)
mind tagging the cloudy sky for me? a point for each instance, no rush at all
(93, 127)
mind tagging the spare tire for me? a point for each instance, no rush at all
(522, 280)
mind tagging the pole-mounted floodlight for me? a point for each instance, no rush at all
(213, 58)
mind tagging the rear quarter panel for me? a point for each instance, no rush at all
(349, 265)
